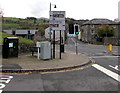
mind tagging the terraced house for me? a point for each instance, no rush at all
(90, 28)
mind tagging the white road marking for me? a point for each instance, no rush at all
(2, 85)
(6, 76)
(105, 56)
(116, 67)
(3, 80)
(107, 72)
(73, 40)
(76, 44)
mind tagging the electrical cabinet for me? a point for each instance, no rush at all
(45, 50)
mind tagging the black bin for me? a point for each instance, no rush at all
(62, 48)
(10, 47)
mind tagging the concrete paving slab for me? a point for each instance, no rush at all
(27, 62)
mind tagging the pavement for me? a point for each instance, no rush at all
(116, 53)
(26, 63)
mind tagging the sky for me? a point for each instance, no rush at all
(77, 9)
(119, 10)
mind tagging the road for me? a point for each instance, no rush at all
(101, 76)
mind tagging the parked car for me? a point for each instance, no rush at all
(56, 40)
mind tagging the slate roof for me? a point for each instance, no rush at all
(8, 31)
(100, 21)
(20, 32)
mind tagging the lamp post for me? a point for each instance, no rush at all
(49, 22)
(50, 28)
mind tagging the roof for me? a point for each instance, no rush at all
(100, 21)
(8, 31)
(19, 32)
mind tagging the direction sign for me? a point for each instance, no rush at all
(57, 20)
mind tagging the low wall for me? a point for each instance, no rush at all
(112, 40)
(23, 48)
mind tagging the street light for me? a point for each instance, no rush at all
(49, 19)
(50, 28)
(54, 6)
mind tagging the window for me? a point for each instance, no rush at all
(92, 26)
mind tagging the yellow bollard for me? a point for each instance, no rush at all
(110, 47)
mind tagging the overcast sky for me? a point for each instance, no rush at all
(77, 9)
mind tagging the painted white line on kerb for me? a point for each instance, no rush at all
(104, 56)
(107, 72)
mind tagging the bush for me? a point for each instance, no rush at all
(105, 31)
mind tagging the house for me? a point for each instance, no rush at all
(29, 34)
(89, 29)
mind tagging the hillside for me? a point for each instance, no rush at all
(32, 23)
(19, 23)
(21, 40)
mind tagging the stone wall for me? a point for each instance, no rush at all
(112, 40)
(24, 48)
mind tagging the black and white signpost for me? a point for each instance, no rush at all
(57, 22)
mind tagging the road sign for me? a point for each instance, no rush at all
(50, 28)
(57, 20)
(50, 33)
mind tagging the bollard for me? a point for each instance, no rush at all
(110, 47)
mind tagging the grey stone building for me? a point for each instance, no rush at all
(89, 29)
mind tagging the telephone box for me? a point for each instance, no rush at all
(10, 47)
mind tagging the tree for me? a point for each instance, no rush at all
(42, 31)
(31, 18)
(105, 31)
(1, 12)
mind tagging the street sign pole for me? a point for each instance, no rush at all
(50, 30)
(57, 22)
(50, 40)
(76, 29)
(76, 46)
(60, 44)
(53, 43)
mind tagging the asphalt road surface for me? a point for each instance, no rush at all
(101, 76)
